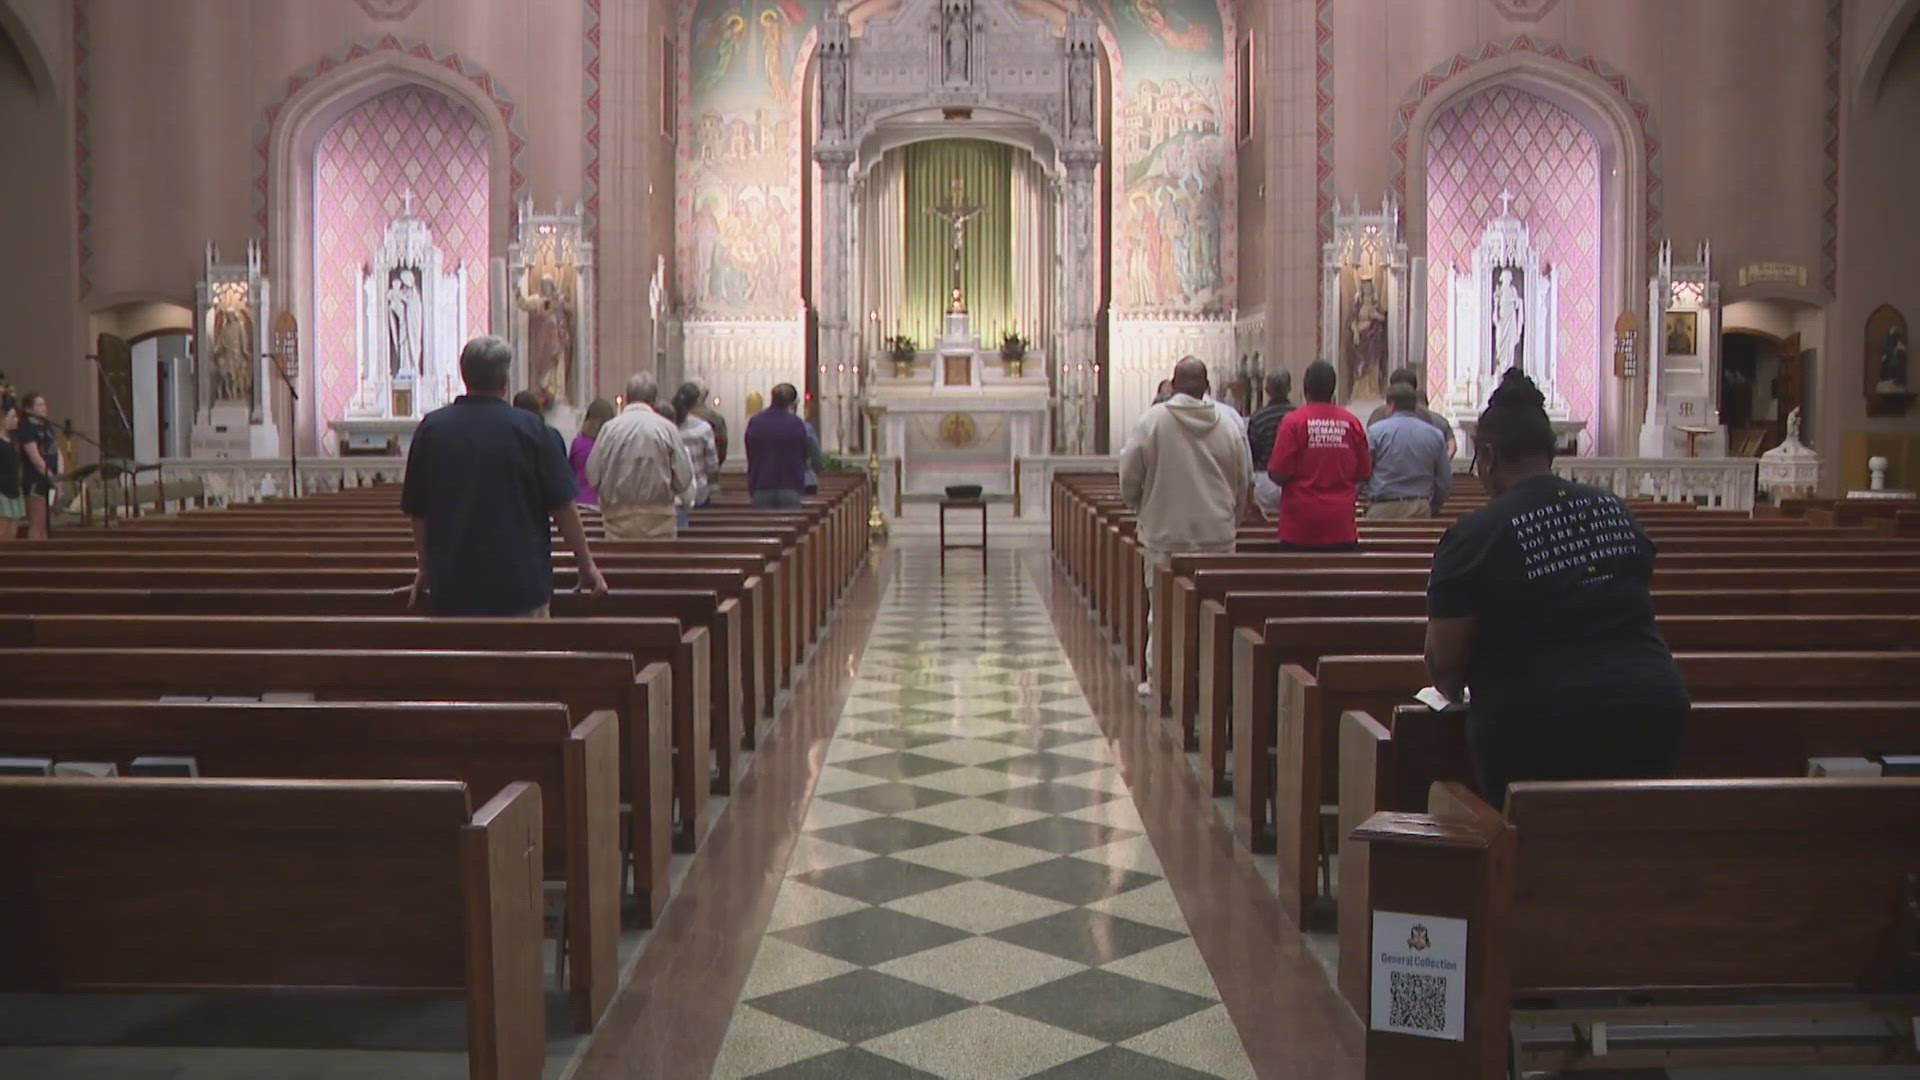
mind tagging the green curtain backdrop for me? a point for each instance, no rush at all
(929, 169)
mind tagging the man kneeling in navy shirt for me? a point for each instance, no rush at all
(483, 480)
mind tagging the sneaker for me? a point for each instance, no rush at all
(1145, 689)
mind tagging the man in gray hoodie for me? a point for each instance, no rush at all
(1187, 474)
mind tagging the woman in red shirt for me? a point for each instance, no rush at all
(1319, 458)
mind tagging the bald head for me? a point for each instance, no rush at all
(1190, 377)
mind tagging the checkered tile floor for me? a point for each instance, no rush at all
(973, 894)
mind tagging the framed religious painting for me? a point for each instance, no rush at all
(1889, 386)
(1683, 333)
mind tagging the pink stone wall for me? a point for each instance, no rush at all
(408, 140)
(1506, 140)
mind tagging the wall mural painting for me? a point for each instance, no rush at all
(739, 203)
(1170, 160)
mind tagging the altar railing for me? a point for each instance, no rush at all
(1713, 483)
(232, 480)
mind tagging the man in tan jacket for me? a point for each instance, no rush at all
(638, 467)
(1187, 474)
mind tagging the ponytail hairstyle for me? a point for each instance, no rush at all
(1515, 425)
(684, 399)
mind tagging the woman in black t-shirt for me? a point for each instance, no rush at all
(1538, 604)
(40, 449)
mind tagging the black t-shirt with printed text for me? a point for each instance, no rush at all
(1556, 575)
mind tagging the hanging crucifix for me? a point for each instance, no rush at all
(956, 214)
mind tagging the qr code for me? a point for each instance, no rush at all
(1417, 1001)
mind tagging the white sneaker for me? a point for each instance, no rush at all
(1145, 689)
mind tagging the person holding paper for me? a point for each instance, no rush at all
(1538, 603)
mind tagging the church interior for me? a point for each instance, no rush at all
(821, 791)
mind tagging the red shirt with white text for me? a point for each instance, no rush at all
(1323, 449)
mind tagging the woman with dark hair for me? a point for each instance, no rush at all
(13, 504)
(598, 412)
(1538, 607)
(703, 448)
(40, 449)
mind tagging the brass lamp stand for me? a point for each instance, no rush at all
(876, 518)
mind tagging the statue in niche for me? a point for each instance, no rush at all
(1893, 360)
(833, 94)
(549, 335)
(1509, 321)
(957, 45)
(406, 321)
(1369, 329)
(232, 352)
(1080, 85)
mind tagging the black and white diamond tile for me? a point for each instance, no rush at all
(973, 894)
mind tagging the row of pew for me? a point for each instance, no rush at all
(1744, 913)
(381, 800)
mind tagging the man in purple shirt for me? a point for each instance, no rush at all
(778, 452)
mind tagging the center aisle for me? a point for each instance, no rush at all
(973, 894)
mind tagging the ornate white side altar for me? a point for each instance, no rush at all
(412, 318)
(1502, 313)
(549, 269)
(1683, 360)
(1365, 298)
(232, 309)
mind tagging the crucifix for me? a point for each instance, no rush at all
(956, 214)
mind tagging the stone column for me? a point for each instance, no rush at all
(835, 155)
(1079, 294)
(832, 295)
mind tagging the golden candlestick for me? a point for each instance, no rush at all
(876, 518)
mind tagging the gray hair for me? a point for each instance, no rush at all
(486, 364)
(642, 386)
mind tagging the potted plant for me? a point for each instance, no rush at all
(1013, 354)
(902, 350)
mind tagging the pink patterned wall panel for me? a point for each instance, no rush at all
(411, 139)
(1509, 140)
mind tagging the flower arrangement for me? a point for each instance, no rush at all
(1013, 353)
(902, 350)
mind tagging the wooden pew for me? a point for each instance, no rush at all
(1260, 644)
(1306, 768)
(484, 745)
(1382, 769)
(156, 573)
(252, 886)
(584, 682)
(1667, 905)
(1199, 580)
(646, 640)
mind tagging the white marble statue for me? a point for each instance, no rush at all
(406, 322)
(957, 46)
(1509, 323)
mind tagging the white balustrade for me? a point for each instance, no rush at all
(1713, 483)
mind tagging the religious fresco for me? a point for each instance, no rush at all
(739, 184)
(1171, 155)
